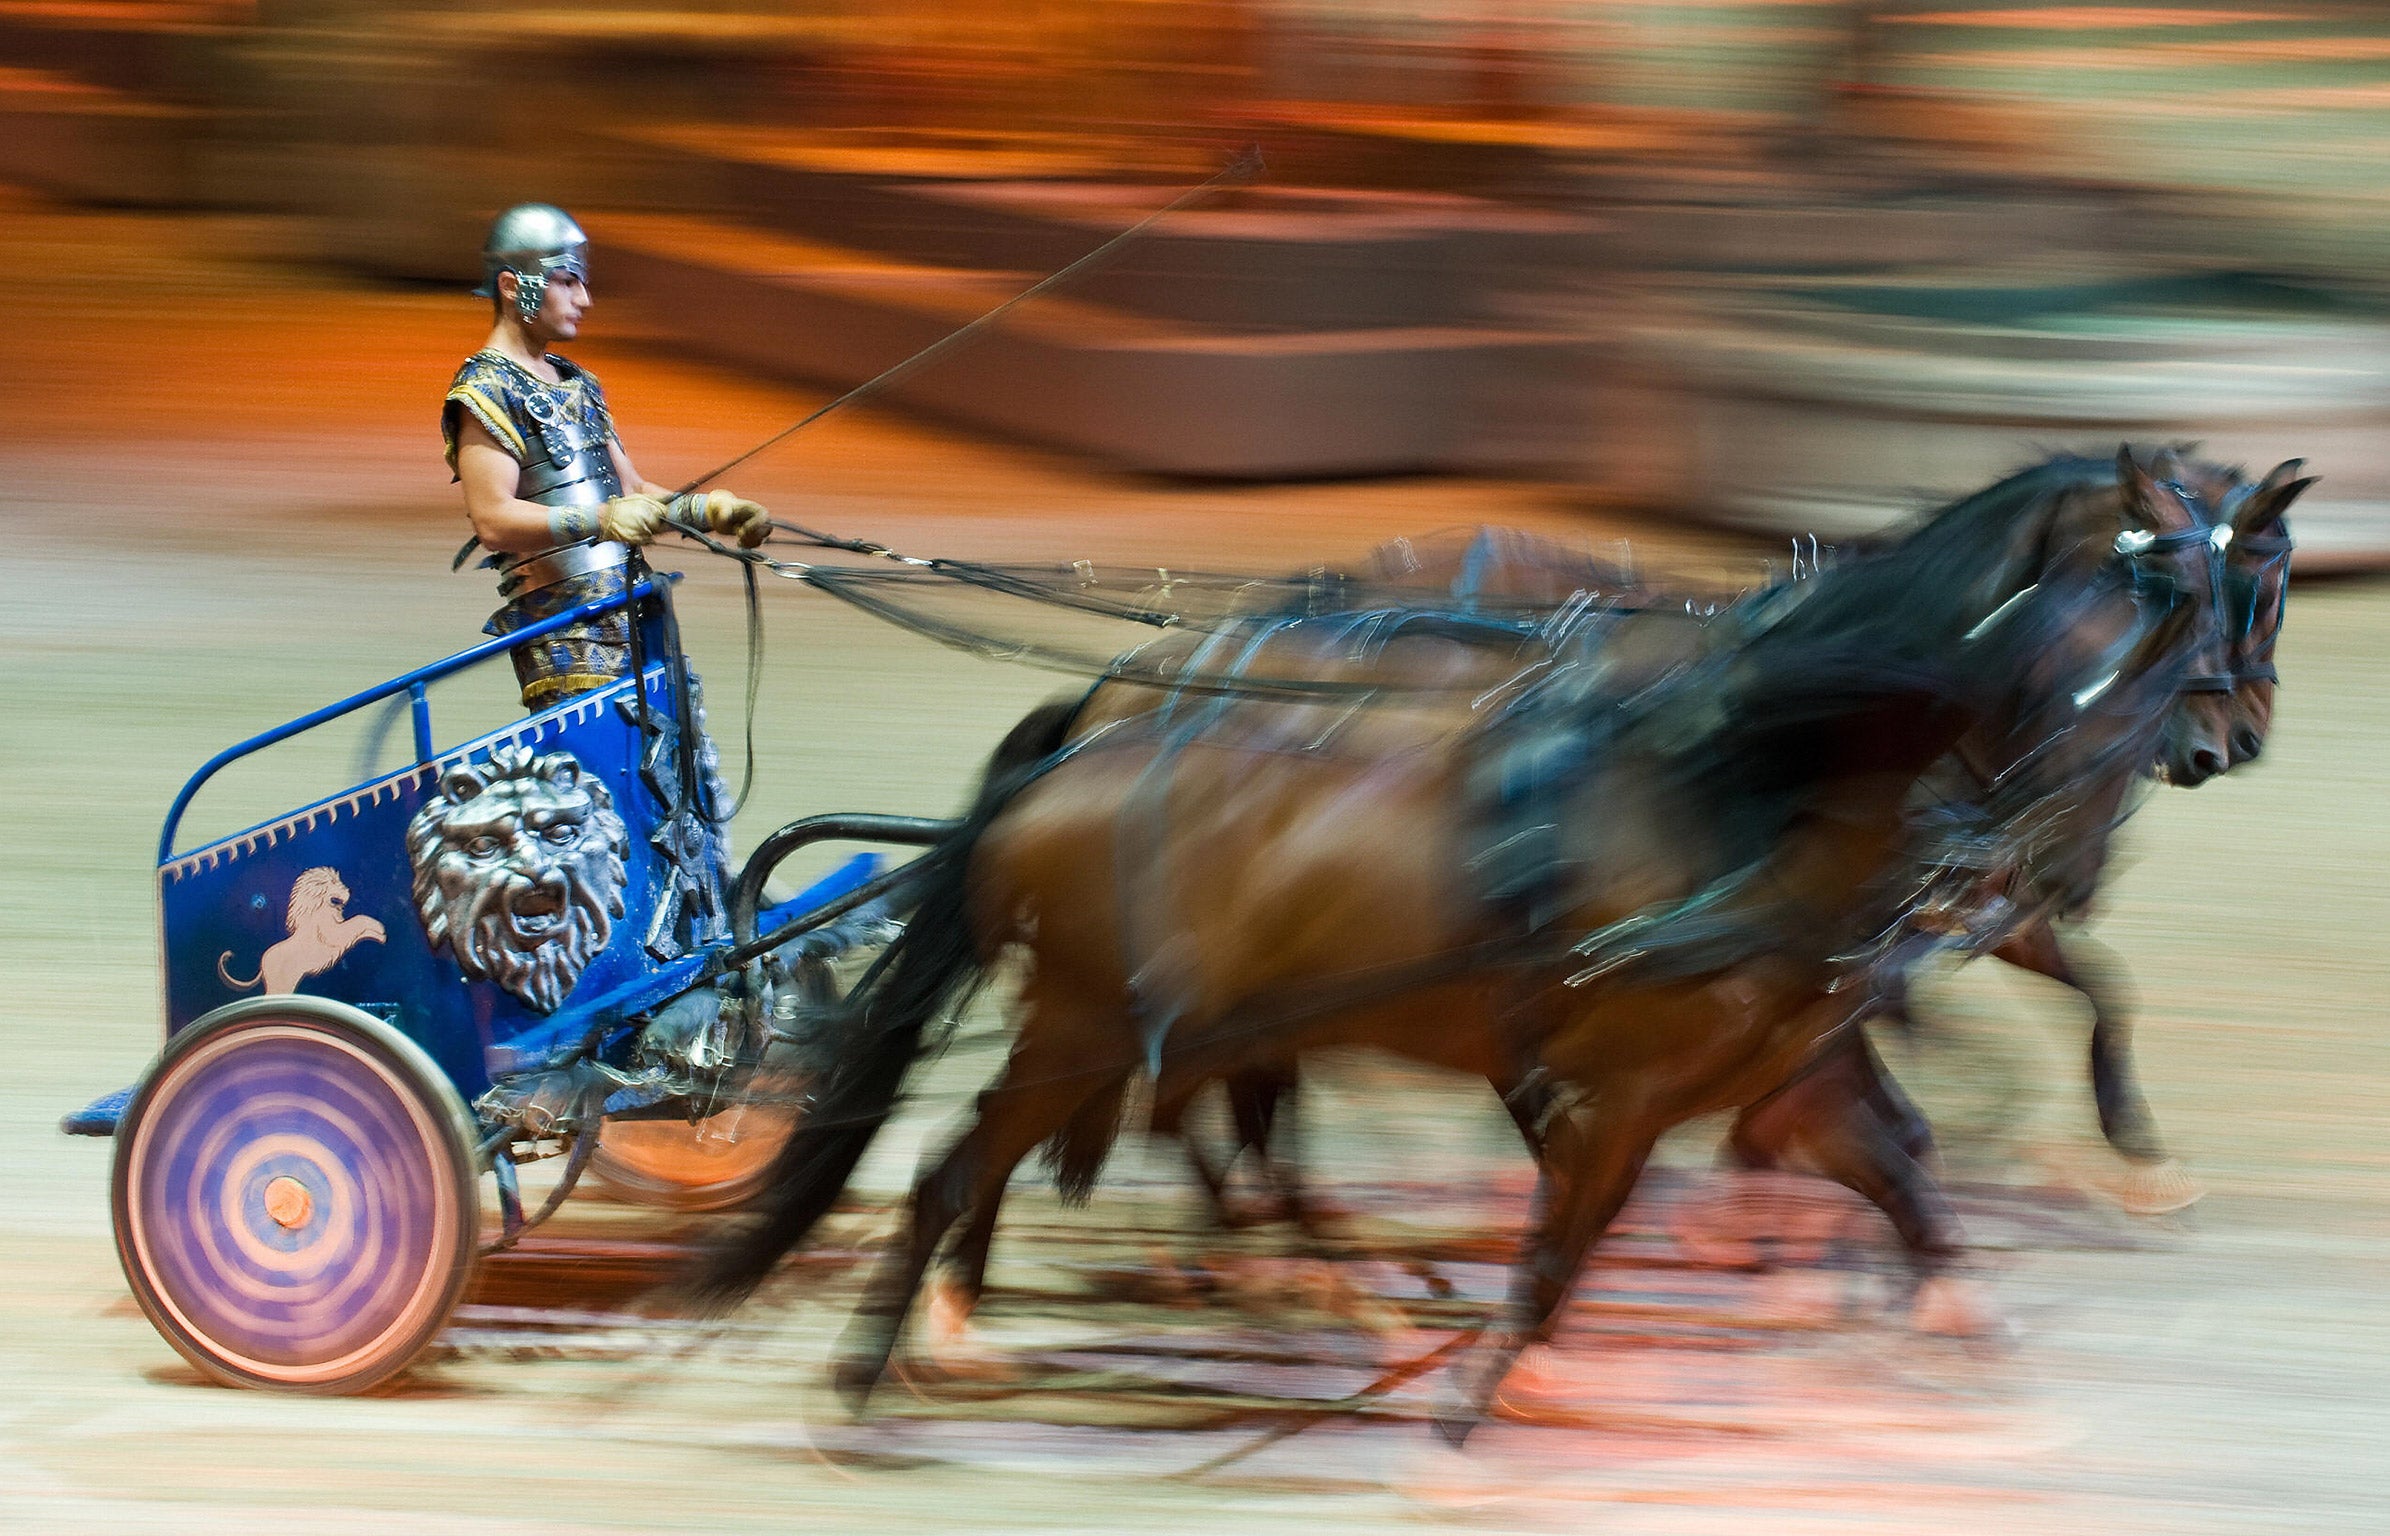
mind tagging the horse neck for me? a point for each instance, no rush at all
(2075, 736)
(2066, 534)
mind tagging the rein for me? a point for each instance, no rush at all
(2022, 808)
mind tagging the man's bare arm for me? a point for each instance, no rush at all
(503, 521)
(507, 524)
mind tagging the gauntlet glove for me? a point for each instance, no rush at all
(726, 513)
(630, 519)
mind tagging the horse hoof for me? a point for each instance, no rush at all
(2158, 1189)
(950, 1346)
(947, 1316)
(1951, 1308)
(1537, 1390)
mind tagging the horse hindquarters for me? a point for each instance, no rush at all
(929, 970)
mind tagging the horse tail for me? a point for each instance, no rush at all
(1077, 1152)
(927, 971)
(233, 981)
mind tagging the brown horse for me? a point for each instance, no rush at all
(2021, 910)
(2219, 720)
(1205, 895)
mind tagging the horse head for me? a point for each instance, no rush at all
(2257, 593)
(2220, 718)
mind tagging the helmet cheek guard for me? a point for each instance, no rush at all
(531, 291)
(531, 288)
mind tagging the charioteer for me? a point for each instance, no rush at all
(551, 492)
(555, 499)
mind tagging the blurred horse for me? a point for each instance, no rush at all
(1660, 898)
(2218, 720)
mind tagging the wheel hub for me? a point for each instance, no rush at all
(288, 1202)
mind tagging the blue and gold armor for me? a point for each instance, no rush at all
(559, 434)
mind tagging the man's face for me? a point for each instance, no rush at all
(561, 305)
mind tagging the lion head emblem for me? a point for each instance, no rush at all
(519, 870)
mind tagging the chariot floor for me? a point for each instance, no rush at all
(223, 505)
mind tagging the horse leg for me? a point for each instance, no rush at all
(1034, 1099)
(2155, 1183)
(1169, 1119)
(2125, 1117)
(1255, 1095)
(1770, 1128)
(1862, 1151)
(1591, 1164)
(1779, 1130)
(1256, 1098)
(1900, 1113)
(956, 1293)
(1847, 1137)
(1529, 1101)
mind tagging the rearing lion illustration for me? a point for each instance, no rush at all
(319, 935)
(519, 870)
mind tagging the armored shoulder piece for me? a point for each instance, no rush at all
(557, 432)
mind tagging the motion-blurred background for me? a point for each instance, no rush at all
(1709, 275)
(1779, 263)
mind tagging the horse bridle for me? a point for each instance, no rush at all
(2249, 657)
(2019, 804)
(2253, 653)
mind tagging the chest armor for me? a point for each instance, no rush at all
(568, 465)
(557, 432)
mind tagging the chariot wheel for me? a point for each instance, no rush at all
(718, 1164)
(722, 1162)
(296, 1197)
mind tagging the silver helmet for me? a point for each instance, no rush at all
(534, 241)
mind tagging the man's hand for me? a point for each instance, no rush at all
(730, 515)
(631, 519)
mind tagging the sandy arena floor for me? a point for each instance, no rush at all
(223, 501)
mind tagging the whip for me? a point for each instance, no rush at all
(1245, 167)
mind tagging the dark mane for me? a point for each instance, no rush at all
(1912, 587)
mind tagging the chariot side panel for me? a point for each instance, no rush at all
(463, 900)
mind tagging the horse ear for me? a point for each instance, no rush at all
(2271, 499)
(2145, 505)
(2140, 492)
(461, 783)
